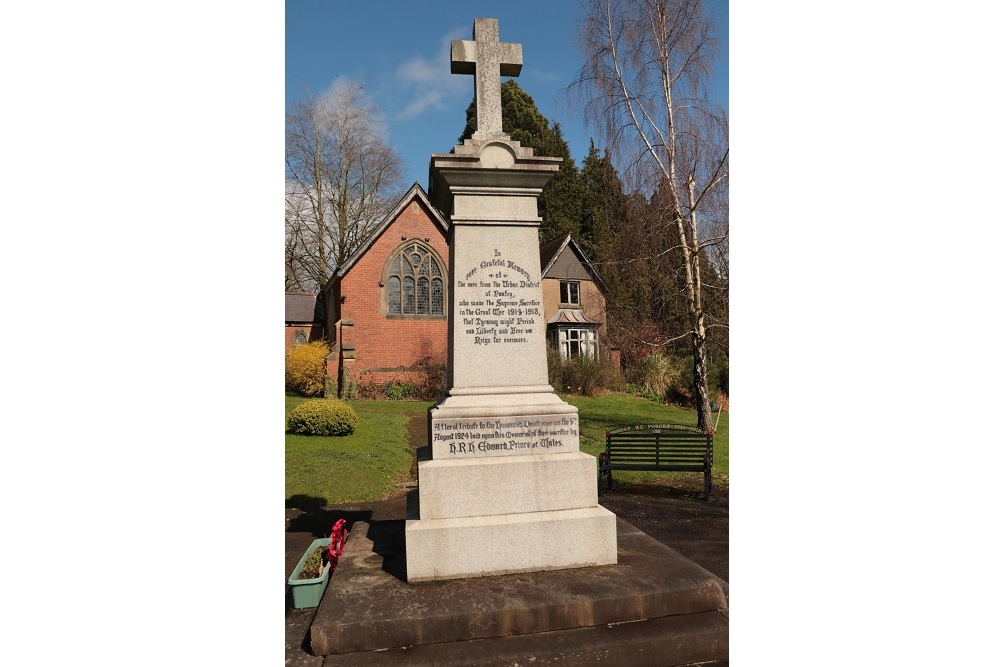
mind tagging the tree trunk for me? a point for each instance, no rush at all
(320, 221)
(692, 264)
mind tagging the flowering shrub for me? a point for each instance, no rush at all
(305, 367)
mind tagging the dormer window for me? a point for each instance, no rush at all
(569, 293)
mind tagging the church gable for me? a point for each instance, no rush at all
(389, 301)
(415, 199)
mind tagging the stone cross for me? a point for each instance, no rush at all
(487, 59)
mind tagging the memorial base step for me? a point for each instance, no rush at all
(653, 607)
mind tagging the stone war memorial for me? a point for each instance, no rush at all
(506, 555)
(506, 489)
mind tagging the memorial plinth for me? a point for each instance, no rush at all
(507, 489)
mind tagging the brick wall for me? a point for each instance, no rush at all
(312, 332)
(384, 346)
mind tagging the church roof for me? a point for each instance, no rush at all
(303, 307)
(415, 192)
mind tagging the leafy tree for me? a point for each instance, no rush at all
(341, 179)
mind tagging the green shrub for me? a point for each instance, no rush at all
(348, 388)
(555, 363)
(584, 374)
(435, 379)
(670, 378)
(396, 390)
(427, 382)
(637, 390)
(589, 375)
(305, 367)
(681, 391)
(325, 416)
(659, 374)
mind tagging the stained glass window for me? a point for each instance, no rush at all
(415, 283)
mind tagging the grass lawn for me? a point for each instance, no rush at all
(373, 462)
(370, 464)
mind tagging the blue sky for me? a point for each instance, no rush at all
(399, 51)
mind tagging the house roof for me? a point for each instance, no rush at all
(303, 307)
(415, 192)
(550, 251)
(571, 316)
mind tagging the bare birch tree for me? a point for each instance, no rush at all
(646, 63)
(341, 178)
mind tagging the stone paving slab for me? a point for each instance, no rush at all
(670, 641)
(370, 606)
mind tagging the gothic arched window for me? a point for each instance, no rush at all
(414, 281)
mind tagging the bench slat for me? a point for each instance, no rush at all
(661, 436)
(663, 468)
(662, 452)
(653, 459)
(662, 447)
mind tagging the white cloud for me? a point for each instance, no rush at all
(428, 83)
(544, 75)
(430, 99)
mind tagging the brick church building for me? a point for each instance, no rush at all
(385, 310)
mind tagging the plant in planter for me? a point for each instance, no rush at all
(314, 564)
(312, 573)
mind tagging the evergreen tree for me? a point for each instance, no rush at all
(603, 209)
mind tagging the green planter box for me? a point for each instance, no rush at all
(308, 592)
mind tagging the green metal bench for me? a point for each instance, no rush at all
(658, 448)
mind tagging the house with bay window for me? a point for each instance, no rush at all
(386, 307)
(573, 294)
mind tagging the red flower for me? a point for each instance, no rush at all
(338, 536)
